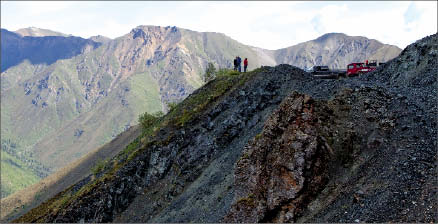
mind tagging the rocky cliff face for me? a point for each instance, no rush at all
(283, 166)
(276, 145)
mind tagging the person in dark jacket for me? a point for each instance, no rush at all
(245, 64)
(239, 64)
(235, 64)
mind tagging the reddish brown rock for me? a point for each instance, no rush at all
(282, 167)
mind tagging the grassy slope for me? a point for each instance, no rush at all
(24, 123)
(15, 175)
(144, 89)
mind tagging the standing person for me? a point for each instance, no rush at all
(245, 64)
(235, 63)
(239, 63)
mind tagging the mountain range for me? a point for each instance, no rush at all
(63, 96)
(273, 145)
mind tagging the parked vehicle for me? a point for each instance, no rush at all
(353, 69)
(358, 68)
(324, 72)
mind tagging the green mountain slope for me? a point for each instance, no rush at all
(15, 174)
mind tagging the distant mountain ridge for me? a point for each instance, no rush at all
(97, 88)
(40, 49)
(38, 32)
(336, 50)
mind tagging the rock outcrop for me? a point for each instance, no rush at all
(282, 166)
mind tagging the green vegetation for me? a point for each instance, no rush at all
(210, 72)
(144, 89)
(171, 106)
(226, 72)
(225, 81)
(146, 120)
(15, 175)
(99, 166)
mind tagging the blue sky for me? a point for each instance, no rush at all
(269, 25)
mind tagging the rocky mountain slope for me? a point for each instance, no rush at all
(54, 113)
(277, 145)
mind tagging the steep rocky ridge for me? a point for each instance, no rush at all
(349, 150)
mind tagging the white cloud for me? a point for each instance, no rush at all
(270, 25)
(37, 8)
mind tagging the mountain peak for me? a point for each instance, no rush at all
(100, 39)
(331, 35)
(149, 28)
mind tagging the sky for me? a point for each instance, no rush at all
(270, 24)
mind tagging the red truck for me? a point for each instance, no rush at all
(360, 68)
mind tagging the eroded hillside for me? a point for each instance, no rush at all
(277, 145)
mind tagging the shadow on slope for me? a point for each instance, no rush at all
(40, 50)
